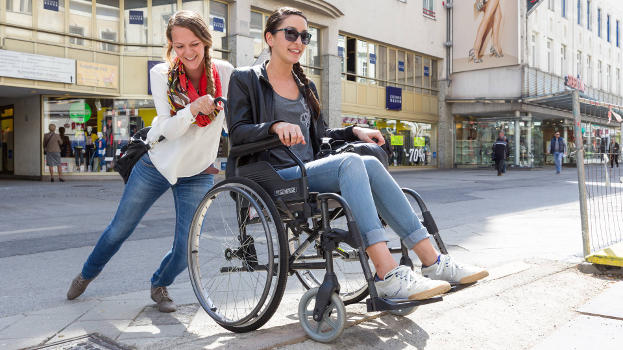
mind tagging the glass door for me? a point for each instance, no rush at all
(7, 153)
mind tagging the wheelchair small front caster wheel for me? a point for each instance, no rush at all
(333, 321)
(402, 312)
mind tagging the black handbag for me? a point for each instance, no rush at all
(132, 152)
(330, 146)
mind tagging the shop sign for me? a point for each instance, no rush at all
(397, 140)
(340, 51)
(426, 71)
(574, 83)
(393, 98)
(136, 17)
(80, 112)
(218, 24)
(97, 74)
(51, 5)
(419, 141)
(417, 155)
(150, 65)
(401, 66)
(372, 58)
(23, 65)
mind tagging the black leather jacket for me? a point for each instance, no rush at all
(251, 113)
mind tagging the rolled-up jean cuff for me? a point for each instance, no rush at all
(416, 237)
(373, 237)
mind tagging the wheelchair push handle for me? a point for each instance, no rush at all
(255, 147)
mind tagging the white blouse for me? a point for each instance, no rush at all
(188, 149)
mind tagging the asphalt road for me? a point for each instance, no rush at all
(48, 229)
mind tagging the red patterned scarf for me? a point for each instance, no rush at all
(182, 92)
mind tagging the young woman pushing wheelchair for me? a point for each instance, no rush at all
(277, 98)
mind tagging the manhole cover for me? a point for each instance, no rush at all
(92, 341)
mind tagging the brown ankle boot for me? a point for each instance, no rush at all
(77, 287)
(161, 296)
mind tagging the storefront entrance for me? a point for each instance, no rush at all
(409, 143)
(6, 140)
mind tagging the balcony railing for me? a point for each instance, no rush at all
(539, 83)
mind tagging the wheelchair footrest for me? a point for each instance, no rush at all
(383, 304)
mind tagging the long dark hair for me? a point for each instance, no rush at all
(195, 23)
(272, 24)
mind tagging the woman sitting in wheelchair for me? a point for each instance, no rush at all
(277, 98)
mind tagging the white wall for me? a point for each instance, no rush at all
(27, 134)
(502, 82)
(546, 24)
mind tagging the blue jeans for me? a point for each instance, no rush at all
(369, 190)
(558, 161)
(144, 187)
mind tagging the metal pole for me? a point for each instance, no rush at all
(579, 156)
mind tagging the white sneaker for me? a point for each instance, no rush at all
(446, 269)
(403, 283)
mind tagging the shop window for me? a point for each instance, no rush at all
(410, 71)
(194, 5)
(79, 20)
(107, 15)
(362, 61)
(401, 68)
(312, 53)
(256, 29)
(94, 130)
(19, 6)
(434, 73)
(218, 29)
(78, 31)
(351, 62)
(426, 73)
(341, 52)
(392, 65)
(135, 24)
(51, 16)
(7, 144)
(409, 143)
(418, 74)
(161, 11)
(372, 57)
(381, 65)
(19, 12)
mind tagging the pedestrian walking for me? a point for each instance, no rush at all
(558, 147)
(52, 143)
(500, 153)
(183, 89)
(614, 153)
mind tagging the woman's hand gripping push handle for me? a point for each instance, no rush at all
(289, 134)
(206, 104)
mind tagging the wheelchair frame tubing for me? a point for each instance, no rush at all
(429, 222)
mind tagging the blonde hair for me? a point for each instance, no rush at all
(195, 23)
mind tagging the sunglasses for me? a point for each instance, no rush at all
(292, 34)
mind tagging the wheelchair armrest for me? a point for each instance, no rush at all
(254, 147)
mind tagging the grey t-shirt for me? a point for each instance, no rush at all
(294, 112)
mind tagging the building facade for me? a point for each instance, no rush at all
(556, 46)
(83, 66)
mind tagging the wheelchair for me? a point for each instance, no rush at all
(254, 229)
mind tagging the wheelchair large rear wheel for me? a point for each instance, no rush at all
(237, 255)
(346, 264)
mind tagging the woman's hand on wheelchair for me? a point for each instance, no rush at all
(204, 105)
(369, 135)
(289, 134)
